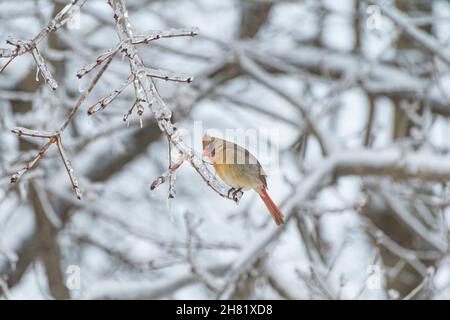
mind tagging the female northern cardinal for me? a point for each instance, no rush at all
(238, 168)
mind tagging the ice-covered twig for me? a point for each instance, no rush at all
(130, 111)
(30, 164)
(138, 39)
(172, 175)
(100, 59)
(168, 75)
(156, 35)
(57, 22)
(146, 91)
(55, 137)
(163, 178)
(105, 101)
(43, 68)
(68, 166)
(33, 133)
(86, 94)
(21, 47)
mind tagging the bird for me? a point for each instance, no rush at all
(238, 168)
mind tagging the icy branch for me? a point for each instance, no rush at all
(55, 137)
(169, 76)
(146, 91)
(100, 59)
(30, 164)
(166, 175)
(141, 39)
(22, 47)
(43, 68)
(33, 133)
(156, 35)
(69, 169)
(104, 102)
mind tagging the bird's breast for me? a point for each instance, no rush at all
(238, 176)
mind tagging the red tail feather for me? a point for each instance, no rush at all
(272, 207)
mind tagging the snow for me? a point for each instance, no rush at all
(132, 243)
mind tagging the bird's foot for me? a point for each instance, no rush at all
(237, 195)
(231, 191)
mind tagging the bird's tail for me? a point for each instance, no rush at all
(276, 213)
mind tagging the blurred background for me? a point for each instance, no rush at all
(360, 106)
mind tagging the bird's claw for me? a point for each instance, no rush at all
(232, 191)
(237, 195)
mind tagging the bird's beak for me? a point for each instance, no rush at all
(205, 153)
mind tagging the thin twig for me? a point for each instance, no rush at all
(70, 171)
(169, 75)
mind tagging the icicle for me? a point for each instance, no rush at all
(90, 121)
(170, 209)
(80, 85)
(37, 74)
(140, 122)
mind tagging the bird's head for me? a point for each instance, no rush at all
(208, 145)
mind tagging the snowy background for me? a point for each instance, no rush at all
(356, 97)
